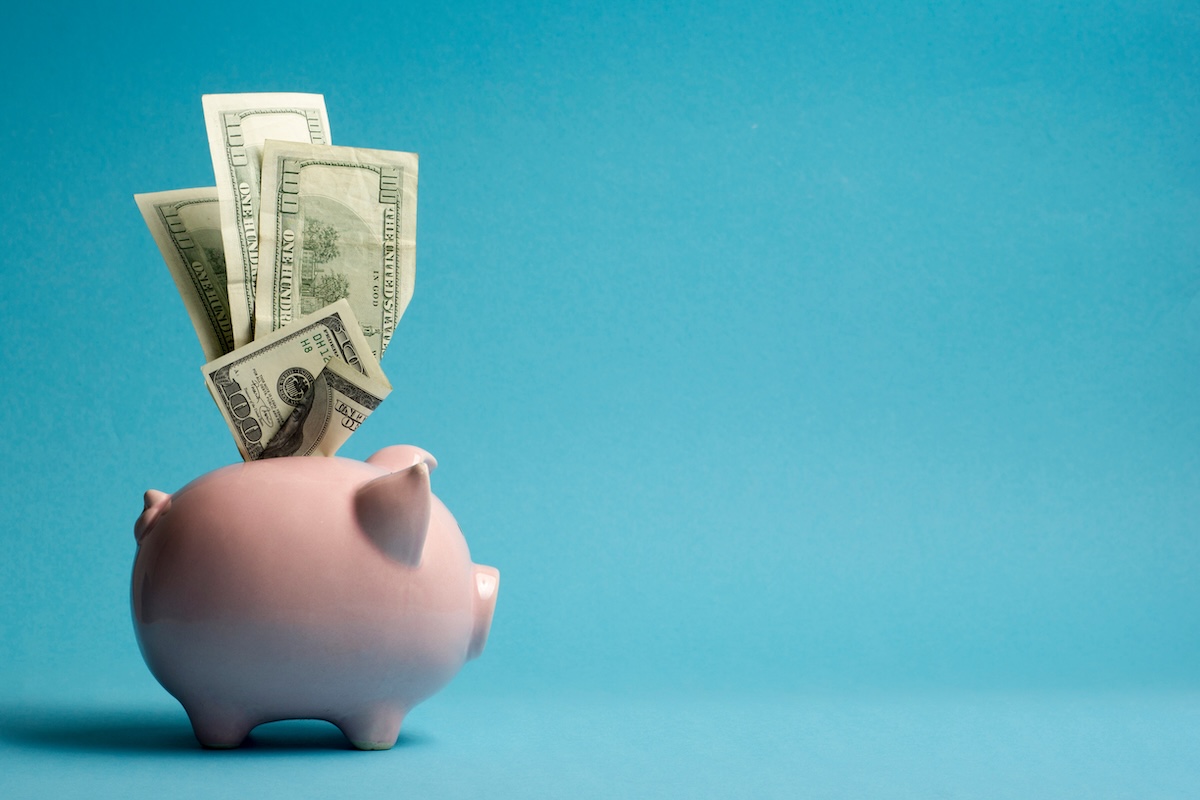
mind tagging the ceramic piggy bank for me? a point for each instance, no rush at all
(314, 588)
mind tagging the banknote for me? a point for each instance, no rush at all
(186, 225)
(237, 126)
(336, 222)
(257, 385)
(338, 401)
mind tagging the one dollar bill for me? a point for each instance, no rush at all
(336, 222)
(339, 400)
(258, 385)
(237, 126)
(186, 225)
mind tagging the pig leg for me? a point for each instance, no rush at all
(374, 728)
(219, 728)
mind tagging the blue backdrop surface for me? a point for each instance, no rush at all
(773, 353)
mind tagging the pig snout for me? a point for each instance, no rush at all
(486, 585)
(156, 504)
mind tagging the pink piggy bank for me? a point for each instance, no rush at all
(307, 588)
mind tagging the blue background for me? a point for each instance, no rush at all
(821, 378)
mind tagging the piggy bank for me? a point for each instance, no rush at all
(307, 588)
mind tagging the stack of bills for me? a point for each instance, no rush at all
(294, 269)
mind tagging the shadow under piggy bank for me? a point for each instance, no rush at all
(307, 588)
(153, 731)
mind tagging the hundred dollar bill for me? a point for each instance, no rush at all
(257, 385)
(186, 225)
(338, 401)
(237, 126)
(337, 222)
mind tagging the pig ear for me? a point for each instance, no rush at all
(393, 511)
(402, 456)
(156, 504)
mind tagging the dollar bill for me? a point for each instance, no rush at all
(186, 225)
(237, 126)
(258, 385)
(338, 401)
(337, 222)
